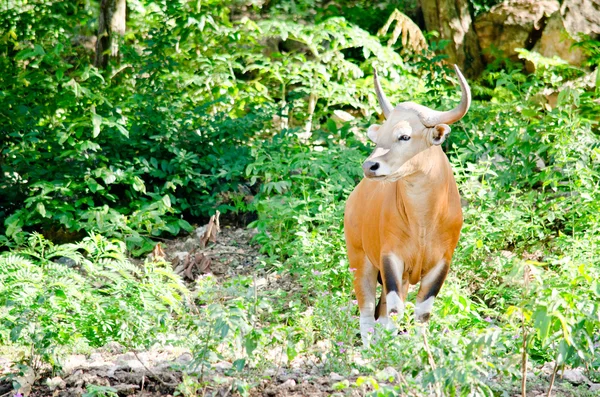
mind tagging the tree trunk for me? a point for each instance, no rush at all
(111, 27)
(452, 19)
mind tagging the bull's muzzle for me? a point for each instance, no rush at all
(370, 168)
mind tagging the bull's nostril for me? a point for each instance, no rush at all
(374, 167)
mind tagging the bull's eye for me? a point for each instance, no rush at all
(404, 138)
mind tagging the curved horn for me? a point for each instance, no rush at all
(386, 106)
(452, 116)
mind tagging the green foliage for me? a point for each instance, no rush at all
(482, 6)
(214, 108)
(58, 295)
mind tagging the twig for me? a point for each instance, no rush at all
(526, 274)
(162, 382)
(204, 354)
(403, 380)
(225, 252)
(553, 376)
(438, 390)
(524, 363)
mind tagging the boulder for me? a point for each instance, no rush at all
(513, 24)
(557, 41)
(581, 17)
(543, 26)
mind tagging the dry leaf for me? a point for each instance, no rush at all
(158, 252)
(212, 229)
(412, 37)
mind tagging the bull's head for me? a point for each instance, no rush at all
(409, 130)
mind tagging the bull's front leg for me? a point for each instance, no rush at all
(392, 268)
(431, 283)
(365, 288)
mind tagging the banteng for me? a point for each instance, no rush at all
(403, 220)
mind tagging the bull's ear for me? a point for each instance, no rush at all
(439, 134)
(372, 132)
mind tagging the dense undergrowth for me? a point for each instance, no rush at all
(201, 115)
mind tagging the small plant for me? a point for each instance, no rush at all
(100, 391)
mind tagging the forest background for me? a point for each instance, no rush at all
(127, 123)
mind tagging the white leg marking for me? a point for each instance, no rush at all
(423, 309)
(367, 312)
(387, 323)
(367, 328)
(394, 303)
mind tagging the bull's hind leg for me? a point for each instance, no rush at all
(392, 297)
(365, 288)
(430, 286)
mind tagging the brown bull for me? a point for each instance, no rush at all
(403, 220)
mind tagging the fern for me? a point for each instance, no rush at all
(104, 297)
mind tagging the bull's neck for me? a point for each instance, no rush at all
(420, 193)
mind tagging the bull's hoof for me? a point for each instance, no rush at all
(423, 318)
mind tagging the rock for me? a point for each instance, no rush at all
(543, 26)
(132, 365)
(190, 244)
(288, 384)
(341, 117)
(574, 376)
(55, 383)
(595, 387)
(113, 347)
(269, 372)
(73, 361)
(222, 365)
(185, 358)
(557, 41)
(335, 377)
(125, 388)
(513, 24)
(387, 374)
(63, 260)
(581, 16)
(548, 368)
(26, 381)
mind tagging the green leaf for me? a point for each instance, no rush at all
(185, 225)
(250, 345)
(96, 122)
(542, 322)
(93, 185)
(239, 364)
(15, 333)
(41, 209)
(138, 184)
(122, 130)
(331, 126)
